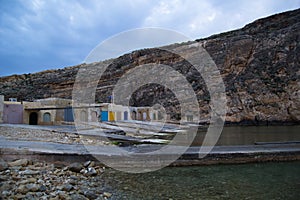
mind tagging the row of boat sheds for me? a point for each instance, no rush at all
(122, 123)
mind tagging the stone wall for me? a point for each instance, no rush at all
(56, 115)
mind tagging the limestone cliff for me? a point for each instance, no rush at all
(259, 65)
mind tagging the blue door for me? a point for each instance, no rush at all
(125, 115)
(69, 116)
(104, 116)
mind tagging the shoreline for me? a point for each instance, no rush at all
(65, 144)
(262, 123)
(219, 155)
(256, 123)
(28, 179)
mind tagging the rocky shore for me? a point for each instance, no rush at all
(59, 135)
(40, 163)
(27, 179)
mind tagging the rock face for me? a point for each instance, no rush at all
(259, 65)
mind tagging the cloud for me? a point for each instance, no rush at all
(37, 35)
(182, 16)
(128, 41)
(60, 32)
(203, 18)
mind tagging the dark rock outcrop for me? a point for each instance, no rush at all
(259, 65)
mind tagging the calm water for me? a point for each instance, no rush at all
(247, 181)
(247, 135)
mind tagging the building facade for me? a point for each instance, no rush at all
(57, 111)
(11, 112)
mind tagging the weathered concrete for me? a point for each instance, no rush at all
(71, 150)
(13, 113)
(220, 154)
(50, 106)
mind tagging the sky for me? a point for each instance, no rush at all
(37, 35)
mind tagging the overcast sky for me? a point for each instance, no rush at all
(36, 35)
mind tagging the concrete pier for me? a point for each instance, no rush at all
(10, 150)
(14, 146)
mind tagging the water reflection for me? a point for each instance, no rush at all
(248, 135)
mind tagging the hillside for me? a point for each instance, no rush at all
(259, 65)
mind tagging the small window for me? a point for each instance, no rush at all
(144, 116)
(139, 115)
(133, 115)
(13, 99)
(47, 117)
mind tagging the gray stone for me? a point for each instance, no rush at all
(107, 194)
(78, 197)
(4, 178)
(6, 193)
(43, 188)
(90, 171)
(29, 196)
(73, 182)
(29, 172)
(3, 165)
(16, 168)
(19, 196)
(31, 180)
(22, 189)
(87, 163)
(74, 177)
(63, 195)
(40, 194)
(6, 186)
(33, 187)
(75, 167)
(92, 164)
(59, 165)
(90, 194)
(67, 187)
(21, 162)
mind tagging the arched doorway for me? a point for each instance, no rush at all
(33, 118)
(133, 115)
(154, 116)
(140, 115)
(144, 116)
(94, 116)
(83, 116)
(47, 117)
